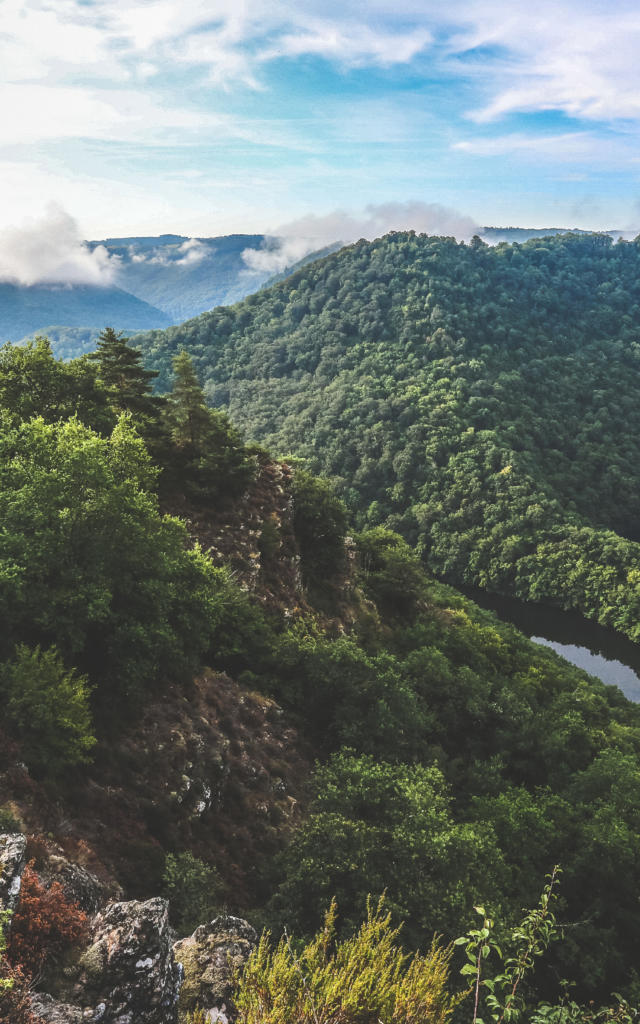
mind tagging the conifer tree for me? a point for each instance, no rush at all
(189, 416)
(210, 459)
(121, 371)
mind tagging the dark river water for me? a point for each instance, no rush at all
(599, 651)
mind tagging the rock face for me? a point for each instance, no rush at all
(50, 1011)
(131, 975)
(78, 884)
(128, 975)
(13, 847)
(130, 965)
(209, 958)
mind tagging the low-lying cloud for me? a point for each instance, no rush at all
(293, 241)
(50, 250)
(188, 254)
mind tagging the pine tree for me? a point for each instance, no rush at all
(210, 459)
(121, 371)
(189, 416)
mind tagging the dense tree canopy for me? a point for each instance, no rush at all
(481, 401)
(451, 391)
(88, 564)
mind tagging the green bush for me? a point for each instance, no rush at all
(363, 979)
(47, 707)
(5, 983)
(193, 889)
(8, 821)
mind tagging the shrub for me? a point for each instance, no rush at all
(15, 1006)
(44, 924)
(508, 997)
(199, 1016)
(48, 709)
(361, 980)
(193, 889)
(8, 821)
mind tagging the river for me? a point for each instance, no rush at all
(599, 651)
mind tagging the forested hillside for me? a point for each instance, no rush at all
(195, 665)
(481, 401)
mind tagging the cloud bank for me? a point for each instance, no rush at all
(188, 254)
(293, 241)
(50, 250)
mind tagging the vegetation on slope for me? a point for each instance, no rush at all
(455, 760)
(481, 401)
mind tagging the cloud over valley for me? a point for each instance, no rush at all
(50, 250)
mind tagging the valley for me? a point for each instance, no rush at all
(239, 686)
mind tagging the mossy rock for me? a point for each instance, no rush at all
(210, 958)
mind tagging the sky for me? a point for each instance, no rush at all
(205, 117)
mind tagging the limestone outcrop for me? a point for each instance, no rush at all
(131, 971)
(127, 975)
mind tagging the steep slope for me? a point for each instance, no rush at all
(454, 760)
(27, 310)
(481, 400)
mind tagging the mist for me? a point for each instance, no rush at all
(50, 250)
(291, 242)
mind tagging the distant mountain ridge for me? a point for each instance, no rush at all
(185, 276)
(166, 279)
(494, 235)
(26, 310)
(160, 280)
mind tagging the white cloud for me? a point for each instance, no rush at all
(40, 38)
(193, 251)
(50, 250)
(351, 43)
(291, 242)
(575, 56)
(588, 148)
(30, 113)
(187, 254)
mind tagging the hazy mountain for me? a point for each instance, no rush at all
(25, 311)
(493, 235)
(185, 276)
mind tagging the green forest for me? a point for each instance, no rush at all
(480, 401)
(452, 763)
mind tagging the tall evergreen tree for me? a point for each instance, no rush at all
(189, 416)
(210, 459)
(121, 371)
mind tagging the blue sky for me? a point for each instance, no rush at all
(209, 116)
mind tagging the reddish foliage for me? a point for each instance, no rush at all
(15, 1005)
(43, 925)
